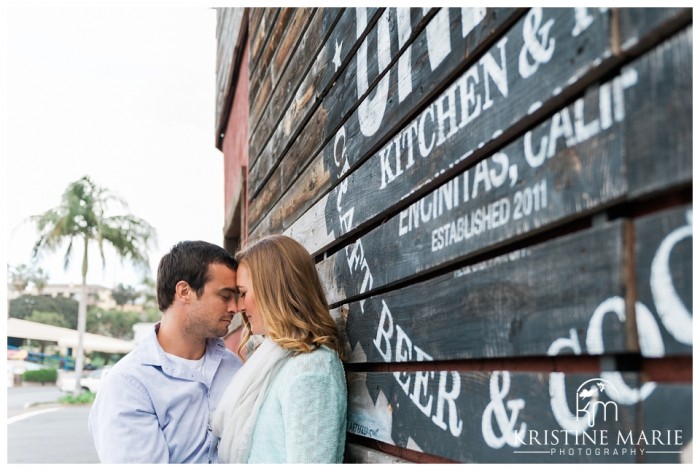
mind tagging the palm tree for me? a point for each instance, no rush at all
(19, 277)
(39, 279)
(82, 217)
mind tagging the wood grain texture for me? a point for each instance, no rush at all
(305, 146)
(641, 27)
(260, 82)
(503, 198)
(476, 416)
(427, 82)
(514, 305)
(661, 155)
(499, 204)
(313, 39)
(315, 86)
(259, 37)
(664, 272)
(283, 53)
(362, 454)
(629, 98)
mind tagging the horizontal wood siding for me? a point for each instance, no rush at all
(499, 202)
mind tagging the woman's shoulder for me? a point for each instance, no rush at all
(321, 360)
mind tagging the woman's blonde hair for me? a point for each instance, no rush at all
(289, 295)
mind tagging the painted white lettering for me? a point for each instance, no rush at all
(346, 220)
(438, 34)
(481, 175)
(371, 110)
(404, 352)
(497, 73)
(560, 127)
(605, 106)
(340, 161)
(385, 331)
(446, 114)
(425, 150)
(407, 140)
(497, 409)
(388, 174)
(583, 20)
(425, 215)
(403, 19)
(471, 17)
(420, 385)
(538, 46)
(403, 228)
(498, 178)
(356, 256)
(534, 159)
(674, 315)
(584, 131)
(449, 398)
(470, 101)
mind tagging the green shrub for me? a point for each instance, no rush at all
(86, 397)
(41, 376)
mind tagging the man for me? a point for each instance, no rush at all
(154, 405)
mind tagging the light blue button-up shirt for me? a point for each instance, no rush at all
(150, 409)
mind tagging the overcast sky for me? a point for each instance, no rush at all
(126, 96)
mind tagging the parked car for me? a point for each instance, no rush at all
(91, 382)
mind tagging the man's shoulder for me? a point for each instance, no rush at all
(230, 361)
(130, 367)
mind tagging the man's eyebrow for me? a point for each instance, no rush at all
(232, 290)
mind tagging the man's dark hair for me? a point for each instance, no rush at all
(188, 261)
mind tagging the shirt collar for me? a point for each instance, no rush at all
(153, 354)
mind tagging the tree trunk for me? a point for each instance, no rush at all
(82, 318)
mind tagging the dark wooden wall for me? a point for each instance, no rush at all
(500, 205)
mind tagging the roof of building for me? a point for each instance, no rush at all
(20, 328)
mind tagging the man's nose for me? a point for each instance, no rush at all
(233, 305)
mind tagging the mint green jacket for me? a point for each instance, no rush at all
(304, 415)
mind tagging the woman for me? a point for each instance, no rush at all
(288, 402)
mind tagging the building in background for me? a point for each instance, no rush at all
(500, 204)
(98, 296)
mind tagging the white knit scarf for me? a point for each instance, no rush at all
(234, 418)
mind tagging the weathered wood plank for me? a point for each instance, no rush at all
(259, 37)
(629, 98)
(283, 53)
(396, 30)
(259, 80)
(336, 103)
(229, 23)
(517, 304)
(664, 272)
(361, 454)
(668, 424)
(486, 27)
(503, 198)
(506, 417)
(316, 84)
(492, 96)
(661, 155)
(467, 124)
(322, 23)
(256, 14)
(639, 27)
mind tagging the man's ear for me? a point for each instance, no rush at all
(183, 291)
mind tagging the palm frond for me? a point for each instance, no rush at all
(83, 212)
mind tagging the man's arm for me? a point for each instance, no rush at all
(124, 425)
